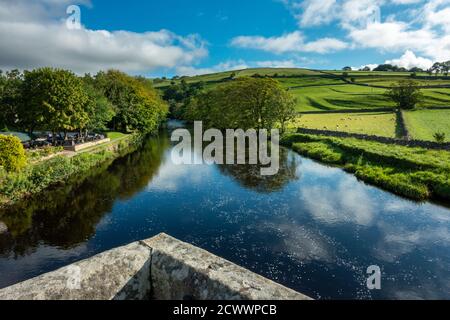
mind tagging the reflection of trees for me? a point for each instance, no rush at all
(68, 215)
(249, 176)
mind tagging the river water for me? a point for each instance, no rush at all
(313, 228)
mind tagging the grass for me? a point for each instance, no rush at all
(113, 135)
(423, 124)
(415, 173)
(319, 91)
(376, 123)
(340, 97)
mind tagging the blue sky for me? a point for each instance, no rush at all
(169, 37)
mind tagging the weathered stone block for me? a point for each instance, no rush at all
(182, 271)
(122, 273)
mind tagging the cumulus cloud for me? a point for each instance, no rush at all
(290, 42)
(410, 60)
(35, 35)
(367, 26)
(399, 36)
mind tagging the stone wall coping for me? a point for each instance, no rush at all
(161, 268)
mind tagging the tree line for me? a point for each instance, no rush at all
(437, 68)
(59, 101)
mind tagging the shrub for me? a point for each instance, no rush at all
(12, 153)
(439, 137)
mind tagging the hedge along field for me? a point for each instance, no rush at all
(423, 124)
(373, 123)
(415, 173)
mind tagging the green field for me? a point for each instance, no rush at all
(376, 123)
(324, 91)
(423, 124)
(341, 97)
(415, 173)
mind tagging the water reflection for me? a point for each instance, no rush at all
(313, 228)
(68, 216)
(249, 176)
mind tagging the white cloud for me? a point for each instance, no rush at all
(315, 12)
(291, 42)
(346, 203)
(277, 64)
(35, 35)
(410, 60)
(397, 36)
(371, 66)
(427, 32)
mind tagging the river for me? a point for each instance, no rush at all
(313, 228)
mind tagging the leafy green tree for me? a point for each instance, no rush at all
(406, 94)
(53, 99)
(138, 105)
(179, 96)
(446, 68)
(437, 68)
(9, 97)
(415, 70)
(386, 67)
(259, 103)
(100, 110)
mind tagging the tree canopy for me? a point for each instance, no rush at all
(53, 99)
(406, 94)
(259, 103)
(138, 105)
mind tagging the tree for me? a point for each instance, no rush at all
(386, 68)
(232, 76)
(259, 103)
(445, 68)
(437, 68)
(366, 69)
(405, 94)
(179, 96)
(53, 99)
(138, 105)
(347, 69)
(415, 70)
(100, 110)
(9, 97)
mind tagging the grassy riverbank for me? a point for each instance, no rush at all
(59, 170)
(415, 173)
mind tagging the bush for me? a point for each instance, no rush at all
(12, 153)
(439, 137)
